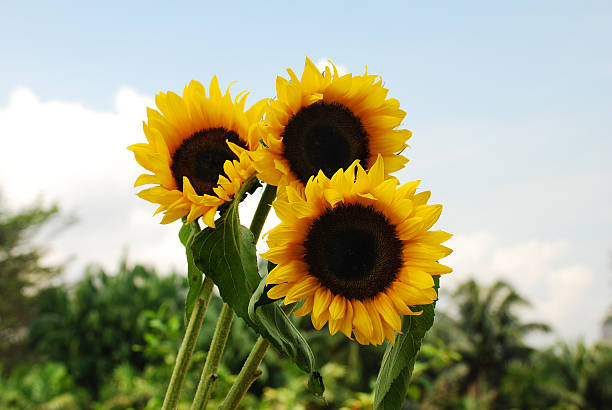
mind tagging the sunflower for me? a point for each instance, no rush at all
(197, 151)
(325, 122)
(358, 250)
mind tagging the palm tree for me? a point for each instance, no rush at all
(562, 377)
(488, 335)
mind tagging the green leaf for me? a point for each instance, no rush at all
(185, 233)
(398, 361)
(194, 275)
(315, 384)
(227, 254)
(260, 297)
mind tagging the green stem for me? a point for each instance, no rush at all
(248, 374)
(262, 211)
(222, 330)
(213, 358)
(187, 346)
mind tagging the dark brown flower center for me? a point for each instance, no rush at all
(354, 251)
(201, 157)
(323, 136)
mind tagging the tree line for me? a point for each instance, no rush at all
(109, 342)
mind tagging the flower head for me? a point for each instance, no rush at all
(197, 151)
(325, 122)
(358, 250)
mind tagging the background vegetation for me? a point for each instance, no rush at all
(109, 342)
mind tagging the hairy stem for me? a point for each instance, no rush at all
(248, 374)
(187, 346)
(262, 211)
(213, 358)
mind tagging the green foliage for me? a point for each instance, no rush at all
(123, 332)
(44, 386)
(489, 336)
(163, 331)
(433, 358)
(563, 376)
(294, 395)
(21, 275)
(94, 327)
(227, 255)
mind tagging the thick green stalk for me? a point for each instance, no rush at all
(213, 358)
(187, 346)
(262, 211)
(222, 330)
(248, 374)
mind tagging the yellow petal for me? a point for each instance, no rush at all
(334, 326)
(408, 189)
(377, 171)
(433, 237)
(388, 332)
(421, 198)
(209, 217)
(385, 191)
(409, 228)
(417, 278)
(377, 335)
(361, 319)
(388, 312)
(333, 196)
(146, 179)
(306, 308)
(411, 295)
(346, 323)
(292, 272)
(398, 301)
(361, 338)
(429, 213)
(337, 307)
(284, 234)
(322, 299)
(284, 211)
(416, 250)
(432, 267)
(302, 289)
(283, 255)
(319, 321)
(279, 291)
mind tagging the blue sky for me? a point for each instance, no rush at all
(510, 106)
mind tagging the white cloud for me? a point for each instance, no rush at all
(470, 252)
(527, 262)
(544, 272)
(77, 157)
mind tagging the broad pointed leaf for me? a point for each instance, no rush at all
(227, 254)
(260, 297)
(398, 361)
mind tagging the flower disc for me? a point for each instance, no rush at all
(200, 158)
(353, 250)
(325, 122)
(325, 137)
(358, 250)
(197, 150)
